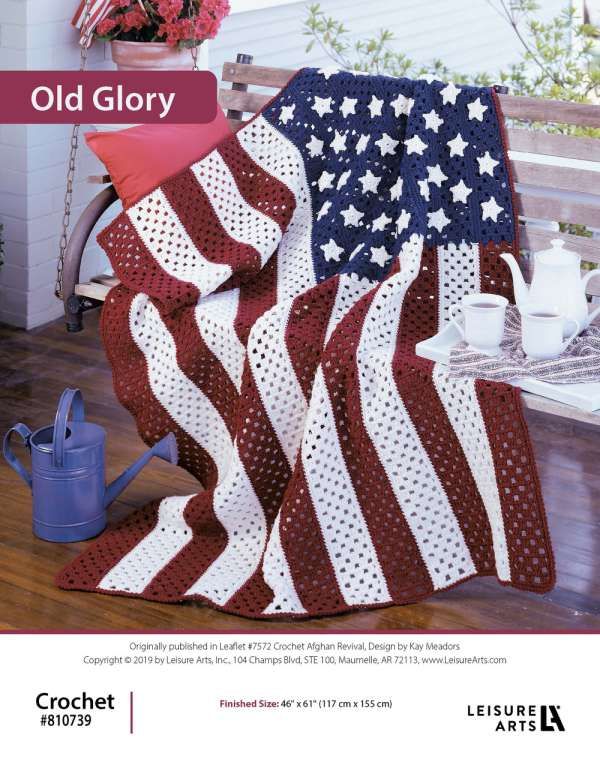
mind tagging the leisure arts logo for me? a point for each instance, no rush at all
(519, 718)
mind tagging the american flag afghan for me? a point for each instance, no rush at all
(271, 298)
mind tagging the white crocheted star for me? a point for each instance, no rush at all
(490, 209)
(460, 192)
(324, 210)
(339, 142)
(379, 256)
(487, 164)
(287, 114)
(325, 180)
(457, 145)
(396, 189)
(322, 106)
(361, 144)
(375, 106)
(343, 179)
(315, 146)
(381, 222)
(414, 145)
(331, 250)
(476, 110)
(402, 221)
(348, 106)
(437, 220)
(387, 145)
(449, 94)
(352, 216)
(436, 175)
(402, 105)
(423, 188)
(369, 182)
(432, 120)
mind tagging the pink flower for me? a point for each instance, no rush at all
(106, 26)
(121, 3)
(169, 9)
(135, 19)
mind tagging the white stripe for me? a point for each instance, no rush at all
(458, 275)
(461, 403)
(215, 316)
(170, 245)
(283, 161)
(238, 218)
(276, 573)
(134, 572)
(347, 539)
(185, 403)
(238, 509)
(349, 291)
(276, 379)
(411, 474)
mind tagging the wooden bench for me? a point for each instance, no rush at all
(551, 187)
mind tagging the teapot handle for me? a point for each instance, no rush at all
(24, 433)
(584, 281)
(70, 399)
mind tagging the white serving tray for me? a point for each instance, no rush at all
(584, 396)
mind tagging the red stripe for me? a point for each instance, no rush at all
(209, 539)
(399, 556)
(494, 272)
(305, 551)
(258, 188)
(429, 417)
(419, 319)
(305, 334)
(138, 270)
(133, 390)
(197, 215)
(89, 568)
(200, 365)
(529, 546)
(256, 297)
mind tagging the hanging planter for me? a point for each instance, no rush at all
(148, 56)
(160, 34)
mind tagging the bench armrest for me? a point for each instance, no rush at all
(74, 253)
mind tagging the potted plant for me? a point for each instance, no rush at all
(159, 34)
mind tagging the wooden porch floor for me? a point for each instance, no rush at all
(34, 369)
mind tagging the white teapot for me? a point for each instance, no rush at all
(556, 282)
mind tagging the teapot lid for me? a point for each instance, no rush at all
(557, 255)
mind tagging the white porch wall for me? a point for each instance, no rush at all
(35, 34)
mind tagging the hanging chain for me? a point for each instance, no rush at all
(64, 238)
(194, 50)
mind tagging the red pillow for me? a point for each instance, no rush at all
(138, 159)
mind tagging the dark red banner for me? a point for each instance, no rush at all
(107, 97)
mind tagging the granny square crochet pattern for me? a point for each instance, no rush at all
(271, 297)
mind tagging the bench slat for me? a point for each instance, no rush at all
(250, 74)
(550, 110)
(244, 101)
(556, 177)
(555, 144)
(557, 209)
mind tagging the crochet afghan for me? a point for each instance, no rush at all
(271, 298)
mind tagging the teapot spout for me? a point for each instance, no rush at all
(165, 449)
(519, 285)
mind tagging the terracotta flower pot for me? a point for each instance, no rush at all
(149, 56)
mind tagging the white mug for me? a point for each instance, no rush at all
(542, 331)
(483, 327)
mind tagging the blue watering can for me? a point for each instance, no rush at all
(67, 472)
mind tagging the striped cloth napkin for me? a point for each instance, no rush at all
(580, 362)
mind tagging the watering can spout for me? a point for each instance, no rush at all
(165, 449)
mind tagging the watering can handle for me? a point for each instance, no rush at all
(24, 433)
(70, 399)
